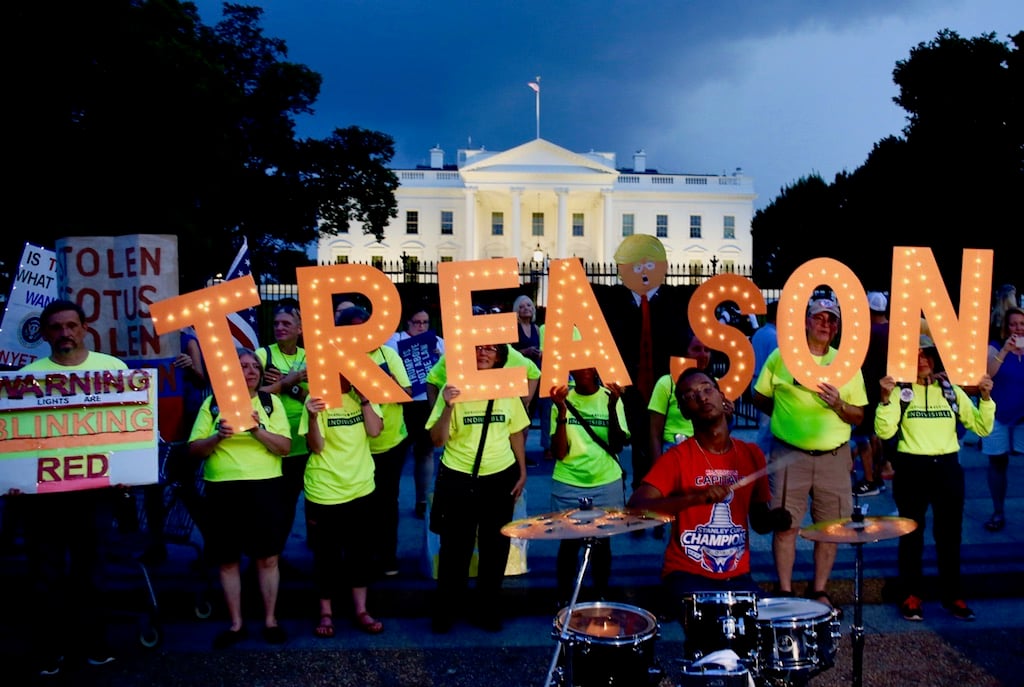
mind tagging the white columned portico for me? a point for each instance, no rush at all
(608, 245)
(470, 210)
(562, 233)
(516, 223)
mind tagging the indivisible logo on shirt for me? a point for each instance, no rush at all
(719, 544)
(344, 421)
(479, 419)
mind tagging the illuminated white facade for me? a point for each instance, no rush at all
(539, 198)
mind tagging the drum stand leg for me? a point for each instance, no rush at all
(563, 635)
(857, 630)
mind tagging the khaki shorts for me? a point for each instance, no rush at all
(824, 478)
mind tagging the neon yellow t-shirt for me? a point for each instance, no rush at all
(241, 456)
(587, 464)
(343, 471)
(800, 417)
(663, 401)
(293, 407)
(507, 417)
(394, 431)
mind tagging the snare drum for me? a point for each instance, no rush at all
(720, 620)
(607, 644)
(796, 638)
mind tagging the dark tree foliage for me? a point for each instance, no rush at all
(354, 161)
(953, 180)
(134, 117)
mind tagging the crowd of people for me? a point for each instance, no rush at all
(470, 462)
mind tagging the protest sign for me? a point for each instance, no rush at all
(77, 429)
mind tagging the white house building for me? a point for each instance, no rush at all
(539, 201)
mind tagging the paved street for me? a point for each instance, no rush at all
(938, 651)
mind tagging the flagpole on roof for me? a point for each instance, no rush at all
(535, 85)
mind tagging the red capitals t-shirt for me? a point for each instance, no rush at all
(710, 540)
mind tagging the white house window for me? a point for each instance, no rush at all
(661, 226)
(341, 260)
(538, 224)
(447, 222)
(497, 223)
(628, 221)
(577, 224)
(729, 227)
(694, 226)
(412, 221)
(377, 261)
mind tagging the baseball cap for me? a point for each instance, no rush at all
(877, 301)
(823, 305)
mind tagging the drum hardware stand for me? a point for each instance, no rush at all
(858, 530)
(857, 629)
(563, 635)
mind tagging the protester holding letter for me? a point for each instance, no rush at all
(67, 532)
(588, 431)
(244, 498)
(340, 502)
(812, 428)
(482, 474)
(923, 417)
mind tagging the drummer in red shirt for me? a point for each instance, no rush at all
(694, 481)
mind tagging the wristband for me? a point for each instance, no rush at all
(259, 426)
(560, 421)
(364, 402)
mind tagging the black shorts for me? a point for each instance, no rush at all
(244, 517)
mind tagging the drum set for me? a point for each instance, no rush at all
(732, 638)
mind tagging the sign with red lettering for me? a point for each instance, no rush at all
(116, 279)
(77, 429)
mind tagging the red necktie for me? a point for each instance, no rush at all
(645, 369)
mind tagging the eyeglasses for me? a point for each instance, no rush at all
(696, 393)
(825, 318)
(486, 349)
(422, 323)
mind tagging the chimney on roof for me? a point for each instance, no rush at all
(640, 161)
(436, 157)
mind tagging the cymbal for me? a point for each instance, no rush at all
(847, 531)
(578, 523)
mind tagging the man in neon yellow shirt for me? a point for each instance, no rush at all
(815, 424)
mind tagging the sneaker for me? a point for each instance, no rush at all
(911, 609)
(959, 610)
(866, 488)
(51, 667)
(100, 659)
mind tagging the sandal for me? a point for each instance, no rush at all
(365, 622)
(325, 630)
(996, 522)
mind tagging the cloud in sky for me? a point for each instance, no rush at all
(782, 89)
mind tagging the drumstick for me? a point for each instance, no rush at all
(768, 469)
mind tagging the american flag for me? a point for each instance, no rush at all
(243, 323)
(534, 86)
